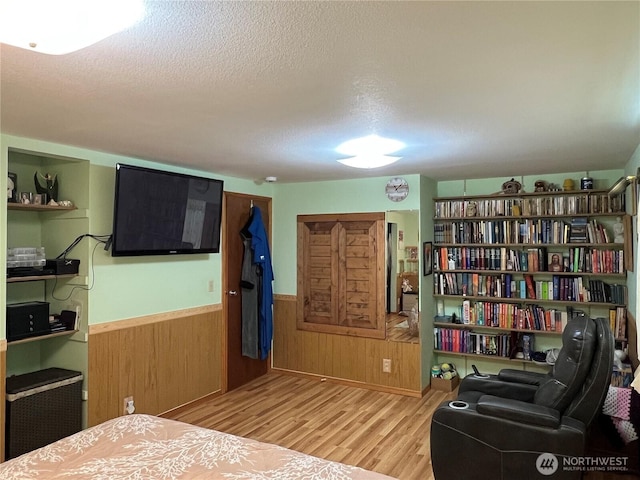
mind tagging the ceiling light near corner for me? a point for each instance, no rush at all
(64, 26)
(369, 161)
(369, 152)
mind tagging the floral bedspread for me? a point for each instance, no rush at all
(137, 447)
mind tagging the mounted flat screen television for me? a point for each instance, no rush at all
(165, 213)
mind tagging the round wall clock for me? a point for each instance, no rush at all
(397, 189)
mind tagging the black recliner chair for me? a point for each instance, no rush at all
(500, 426)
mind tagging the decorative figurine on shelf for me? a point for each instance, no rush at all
(540, 186)
(472, 209)
(511, 187)
(568, 185)
(51, 185)
(618, 231)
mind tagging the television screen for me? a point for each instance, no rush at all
(163, 213)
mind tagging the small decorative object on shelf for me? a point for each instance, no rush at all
(618, 231)
(12, 188)
(568, 185)
(540, 186)
(50, 189)
(511, 187)
(586, 183)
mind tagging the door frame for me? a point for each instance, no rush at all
(225, 289)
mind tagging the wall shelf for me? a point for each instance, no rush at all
(35, 278)
(42, 337)
(37, 208)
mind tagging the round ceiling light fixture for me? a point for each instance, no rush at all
(371, 151)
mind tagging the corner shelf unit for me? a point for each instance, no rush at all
(491, 239)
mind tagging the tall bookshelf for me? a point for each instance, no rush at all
(512, 268)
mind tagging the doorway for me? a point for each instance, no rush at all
(237, 211)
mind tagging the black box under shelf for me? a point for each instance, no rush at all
(41, 407)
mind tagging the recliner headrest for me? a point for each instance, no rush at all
(572, 365)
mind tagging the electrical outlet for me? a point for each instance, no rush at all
(386, 365)
(210, 286)
(128, 406)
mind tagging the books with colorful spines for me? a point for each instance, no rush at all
(531, 289)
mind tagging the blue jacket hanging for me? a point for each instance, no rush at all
(262, 257)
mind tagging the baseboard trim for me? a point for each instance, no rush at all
(187, 406)
(349, 383)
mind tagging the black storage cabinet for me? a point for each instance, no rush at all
(42, 407)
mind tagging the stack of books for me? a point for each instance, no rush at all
(578, 232)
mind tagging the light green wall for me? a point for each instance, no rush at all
(343, 196)
(428, 190)
(126, 287)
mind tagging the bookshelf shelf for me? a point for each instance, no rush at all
(507, 249)
(528, 301)
(468, 326)
(535, 273)
(488, 357)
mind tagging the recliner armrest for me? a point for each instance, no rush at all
(493, 386)
(520, 376)
(518, 411)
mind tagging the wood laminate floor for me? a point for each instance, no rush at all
(383, 432)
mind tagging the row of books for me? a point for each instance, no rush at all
(529, 231)
(560, 204)
(618, 322)
(489, 258)
(466, 341)
(560, 288)
(514, 316)
(575, 259)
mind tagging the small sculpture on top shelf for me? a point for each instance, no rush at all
(540, 186)
(51, 186)
(568, 185)
(511, 187)
(618, 231)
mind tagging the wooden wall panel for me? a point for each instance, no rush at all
(353, 359)
(163, 361)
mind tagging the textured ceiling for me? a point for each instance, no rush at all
(251, 89)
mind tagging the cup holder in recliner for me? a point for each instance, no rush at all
(458, 405)
(481, 375)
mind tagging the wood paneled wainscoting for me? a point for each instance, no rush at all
(348, 359)
(163, 361)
